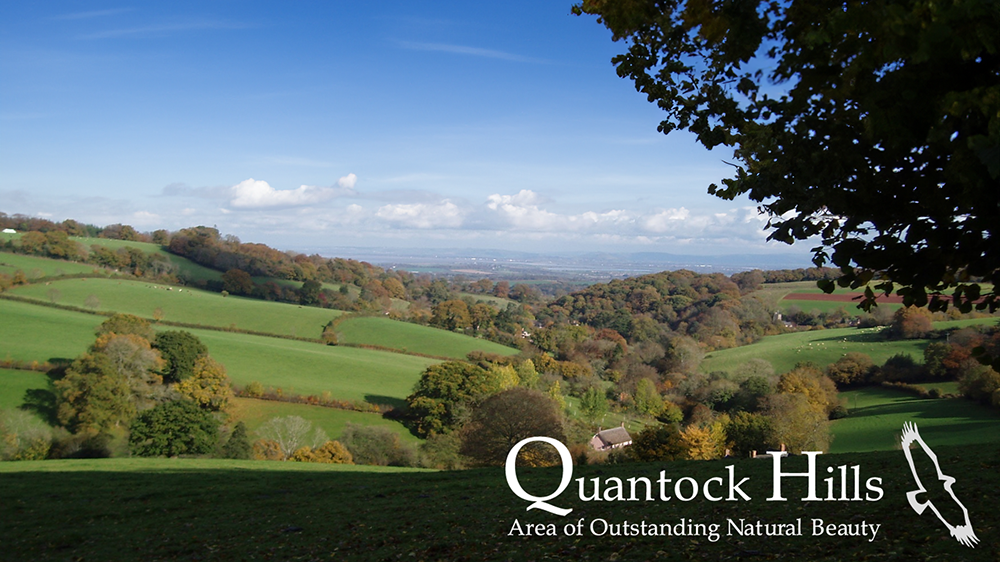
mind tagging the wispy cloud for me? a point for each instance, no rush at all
(163, 30)
(471, 51)
(92, 14)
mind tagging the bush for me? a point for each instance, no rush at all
(23, 437)
(331, 452)
(377, 446)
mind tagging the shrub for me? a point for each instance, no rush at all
(378, 446)
(331, 452)
(23, 437)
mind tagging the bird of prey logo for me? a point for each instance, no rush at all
(963, 532)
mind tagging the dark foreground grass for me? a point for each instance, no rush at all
(213, 511)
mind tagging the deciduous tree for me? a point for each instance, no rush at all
(177, 427)
(874, 126)
(506, 418)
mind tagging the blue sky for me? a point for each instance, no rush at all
(324, 124)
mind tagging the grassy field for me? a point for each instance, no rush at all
(414, 338)
(819, 346)
(332, 421)
(14, 383)
(187, 268)
(297, 367)
(823, 347)
(876, 411)
(36, 267)
(36, 333)
(143, 298)
(173, 509)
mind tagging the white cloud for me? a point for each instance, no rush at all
(422, 215)
(254, 194)
(522, 211)
(348, 181)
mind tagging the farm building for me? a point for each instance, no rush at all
(611, 439)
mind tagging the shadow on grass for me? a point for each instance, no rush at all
(144, 511)
(926, 408)
(396, 403)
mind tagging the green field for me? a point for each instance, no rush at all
(877, 414)
(14, 383)
(823, 347)
(414, 338)
(331, 420)
(37, 333)
(178, 509)
(188, 270)
(295, 366)
(36, 267)
(495, 302)
(179, 304)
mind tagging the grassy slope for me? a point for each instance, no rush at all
(819, 346)
(14, 383)
(823, 347)
(188, 269)
(332, 421)
(36, 267)
(39, 333)
(876, 411)
(412, 337)
(174, 509)
(142, 298)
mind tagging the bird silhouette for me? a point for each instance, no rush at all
(963, 532)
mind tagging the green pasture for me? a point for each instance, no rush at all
(333, 421)
(823, 347)
(297, 367)
(408, 337)
(182, 304)
(180, 509)
(14, 383)
(851, 308)
(38, 333)
(876, 417)
(947, 387)
(36, 268)
(31, 332)
(495, 302)
(187, 268)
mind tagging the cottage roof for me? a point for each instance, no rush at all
(614, 436)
